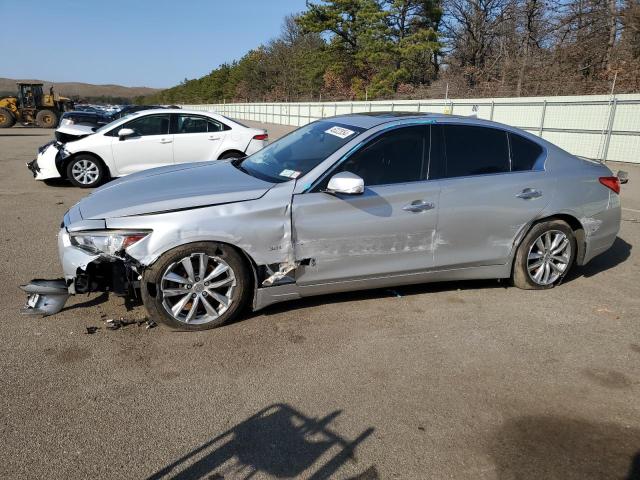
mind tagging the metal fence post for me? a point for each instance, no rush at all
(493, 104)
(544, 113)
(612, 116)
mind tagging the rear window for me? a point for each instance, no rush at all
(471, 150)
(524, 153)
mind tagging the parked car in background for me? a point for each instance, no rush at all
(142, 140)
(136, 108)
(344, 203)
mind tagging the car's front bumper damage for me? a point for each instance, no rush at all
(84, 272)
(47, 163)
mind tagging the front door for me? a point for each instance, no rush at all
(387, 231)
(151, 145)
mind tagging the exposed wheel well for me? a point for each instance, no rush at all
(229, 152)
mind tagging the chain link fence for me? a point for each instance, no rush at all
(600, 127)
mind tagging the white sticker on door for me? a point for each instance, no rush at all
(340, 132)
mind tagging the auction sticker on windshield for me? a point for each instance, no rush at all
(290, 173)
(340, 132)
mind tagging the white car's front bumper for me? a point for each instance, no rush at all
(44, 166)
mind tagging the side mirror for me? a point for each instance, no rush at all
(125, 132)
(623, 177)
(347, 183)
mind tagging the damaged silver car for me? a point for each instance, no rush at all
(346, 203)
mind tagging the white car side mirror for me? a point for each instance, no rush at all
(347, 183)
(125, 132)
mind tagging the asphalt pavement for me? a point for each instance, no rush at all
(453, 380)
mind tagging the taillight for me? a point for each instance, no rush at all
(262, 136)
(611, 182)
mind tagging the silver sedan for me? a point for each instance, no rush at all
(344, 203)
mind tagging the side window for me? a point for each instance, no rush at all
(191, 124)
(215, 126)
(524, 153)
(397, 156)
(471, 150)
(149, 125)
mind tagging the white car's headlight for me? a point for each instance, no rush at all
(110, 242)
(66, 121)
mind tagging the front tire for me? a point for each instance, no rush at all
(86, 171)
(46, 119)
(197, 286)
(7, 119)
(544, 256)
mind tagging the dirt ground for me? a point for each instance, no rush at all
(454, 380)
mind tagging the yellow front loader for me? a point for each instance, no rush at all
(32, 107)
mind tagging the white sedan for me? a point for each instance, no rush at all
(146, 139)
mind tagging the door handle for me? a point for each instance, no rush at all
(529, 193)
(418, 206)
(214, 138)
(165, 141)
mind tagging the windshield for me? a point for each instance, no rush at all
(299, 152)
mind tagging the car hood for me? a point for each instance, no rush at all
(176, 187)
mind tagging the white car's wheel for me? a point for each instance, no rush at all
(86, 171)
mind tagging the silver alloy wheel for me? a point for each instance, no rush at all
(549, 257)
(198, 288)
(85, 171)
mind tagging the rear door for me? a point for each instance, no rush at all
(151, 146)
(197, 138)
(493, 186)
(386, 231)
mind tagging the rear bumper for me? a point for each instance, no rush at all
(255, 145)
(601, 229)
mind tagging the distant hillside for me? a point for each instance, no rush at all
(81, 90)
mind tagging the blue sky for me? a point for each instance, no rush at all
(135, 42)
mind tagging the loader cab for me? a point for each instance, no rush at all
(30, 95)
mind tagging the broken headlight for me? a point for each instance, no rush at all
(110, 242)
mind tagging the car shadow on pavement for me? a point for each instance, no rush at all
(277, 441)
(617, 254)
(97, 300)
(360, 295)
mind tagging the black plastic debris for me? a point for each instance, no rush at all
(115, 324)
(92, 330)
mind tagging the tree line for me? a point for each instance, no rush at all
(376, 49)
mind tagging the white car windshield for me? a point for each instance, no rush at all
(299, 152)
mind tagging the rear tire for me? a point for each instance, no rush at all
(544, 256)
(193, 299)
(47, 119)
(231, 154)
(7, 119)
(86, 171)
